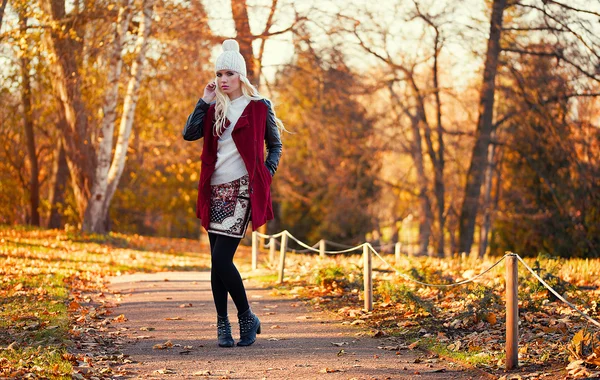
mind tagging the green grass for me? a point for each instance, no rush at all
(473, 357)
(264, 278)
(42, 271)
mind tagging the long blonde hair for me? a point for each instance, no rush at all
(223, 103)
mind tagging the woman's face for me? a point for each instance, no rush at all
(229, 82)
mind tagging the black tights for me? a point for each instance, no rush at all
(224, 276)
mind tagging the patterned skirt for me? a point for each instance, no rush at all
(230, 208)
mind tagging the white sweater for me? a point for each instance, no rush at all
(230, 165)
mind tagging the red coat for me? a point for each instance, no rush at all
(249, 137)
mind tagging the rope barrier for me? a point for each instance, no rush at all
(337, 244)
(410, 279)
(407, 278)
(271, 236)
(327, 252)
(308, 248)
(590, 319)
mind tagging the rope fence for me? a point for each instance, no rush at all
(368, 251)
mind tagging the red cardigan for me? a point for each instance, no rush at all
(249, 137)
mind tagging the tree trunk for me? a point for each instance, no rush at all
(418, 122)
(439, 187)
(130, 103)
(34, 183)
(60, 174)
(425, 214)
(95, 211)
(244, 36)
(484, 128)
(487, 202)
(2, 8)
(81, 157)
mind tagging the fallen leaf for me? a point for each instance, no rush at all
(594, 358)
(120, 318)
(185, 305)
(202, 373)
(329, 370)
(162, 346)
(173, 319)
(164, 371)
(414, 345)
(147, 329)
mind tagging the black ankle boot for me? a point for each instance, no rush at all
(249, 327)
(224, 332)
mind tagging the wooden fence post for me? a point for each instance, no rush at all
(254, 250)
(512, 312)
(322, 248)
(272, 250)
(284, 239)
(368, 278)
(397, 252)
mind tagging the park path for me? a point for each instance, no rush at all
(296, 342)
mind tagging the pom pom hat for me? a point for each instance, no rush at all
(230, 58)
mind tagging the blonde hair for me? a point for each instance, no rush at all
(223, 102)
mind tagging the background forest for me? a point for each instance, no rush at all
(455, 126)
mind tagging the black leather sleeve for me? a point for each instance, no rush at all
(272, 141)
(194, 127)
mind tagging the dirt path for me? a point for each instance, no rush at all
(296, 342)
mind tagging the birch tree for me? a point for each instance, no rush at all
(110, 168)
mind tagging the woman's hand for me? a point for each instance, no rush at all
(209, 92)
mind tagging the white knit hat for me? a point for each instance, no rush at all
(230, 58)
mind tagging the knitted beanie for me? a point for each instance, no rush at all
(230, 58)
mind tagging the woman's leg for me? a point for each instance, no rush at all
(217, 286)
(225, 277)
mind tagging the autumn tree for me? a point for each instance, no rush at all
(549, 198)
(574, 45)
(327, 178)
(415, 91)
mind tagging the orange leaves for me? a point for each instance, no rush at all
(163, 346)
(329, 370)
(73, 306)
(491, 318)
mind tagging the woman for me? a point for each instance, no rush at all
(235, 179)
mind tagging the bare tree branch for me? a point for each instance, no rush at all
(572, 8)
(556, 54)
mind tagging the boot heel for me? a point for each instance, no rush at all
(258, 330)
